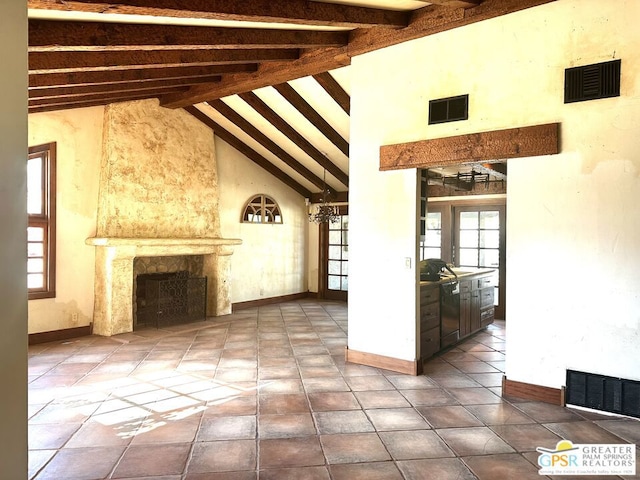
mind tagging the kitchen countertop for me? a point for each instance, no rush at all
(463, 274)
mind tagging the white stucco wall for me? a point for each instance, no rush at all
(78, 134)
(573, 226)
(272, 260)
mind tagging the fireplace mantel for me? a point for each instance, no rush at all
(113, 310)
(153, 247)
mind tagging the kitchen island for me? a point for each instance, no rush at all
(453, 308)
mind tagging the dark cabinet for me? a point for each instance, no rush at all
(465, 308)
(429, 320)
(474, 310)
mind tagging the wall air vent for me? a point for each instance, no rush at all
(600, 80)
(609, 394)
(449, 109)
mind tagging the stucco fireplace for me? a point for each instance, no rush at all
(158, 197)
(113, 308)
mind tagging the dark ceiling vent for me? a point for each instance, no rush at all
(609, 394)
(449, 109)
(600, 80)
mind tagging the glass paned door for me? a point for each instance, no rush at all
(335, 245)
(480, 243)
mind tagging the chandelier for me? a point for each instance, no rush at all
(324, 212)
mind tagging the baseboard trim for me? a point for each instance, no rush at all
(531, 391)
(268, 301)
(57, 335)
(380, 361)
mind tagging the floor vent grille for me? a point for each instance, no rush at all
(589, 82)
(600, 392)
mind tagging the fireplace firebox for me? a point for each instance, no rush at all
(164, 299)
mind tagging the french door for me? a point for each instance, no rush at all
(334, 257)
(479, 242)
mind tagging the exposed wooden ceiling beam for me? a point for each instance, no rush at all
(455, 3)
(56, 104)
(253, 132)
(292, 134)
(310, 63)
(196, 74)
(425, 21)
(335, 90)
(248, 152)
(300, 12)
(42, 62)
(113, 88)
(91, 97)
(497, 170)
(295, 99)
(55, 36)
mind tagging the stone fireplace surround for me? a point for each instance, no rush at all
(113, 309)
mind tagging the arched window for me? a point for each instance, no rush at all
(261, 209)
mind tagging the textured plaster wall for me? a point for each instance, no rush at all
(573, 226)
(272, 260)
(159, 175)
(78, 134)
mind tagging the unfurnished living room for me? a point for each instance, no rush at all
(320, 240)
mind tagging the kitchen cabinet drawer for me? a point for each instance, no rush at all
(429, 294)
(465, 286)
(429, 316)
(483, 282)
(429, 342)
(486, 297)
(487, 316)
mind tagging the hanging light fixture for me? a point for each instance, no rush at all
(325, 212)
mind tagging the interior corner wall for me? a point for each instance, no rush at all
(78, 137)
(272, 260)
(573, 225)
(13, 237)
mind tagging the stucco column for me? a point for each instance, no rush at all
(113, 309)
(217, 269)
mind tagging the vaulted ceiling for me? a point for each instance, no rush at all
(270, 77)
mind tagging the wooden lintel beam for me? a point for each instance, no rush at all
(253, 132)
(335, 90)
(474, 147)
(292, 134)
(197, 74)
(248, 151)
(52, 36)
(299, 12)
(44, 62)
(426, 21)
(295, 99)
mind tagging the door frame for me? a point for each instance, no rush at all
(447, 209)
(323, 262)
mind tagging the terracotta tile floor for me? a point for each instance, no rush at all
(265, 394)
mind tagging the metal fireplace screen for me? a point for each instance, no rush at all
(169, 299)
